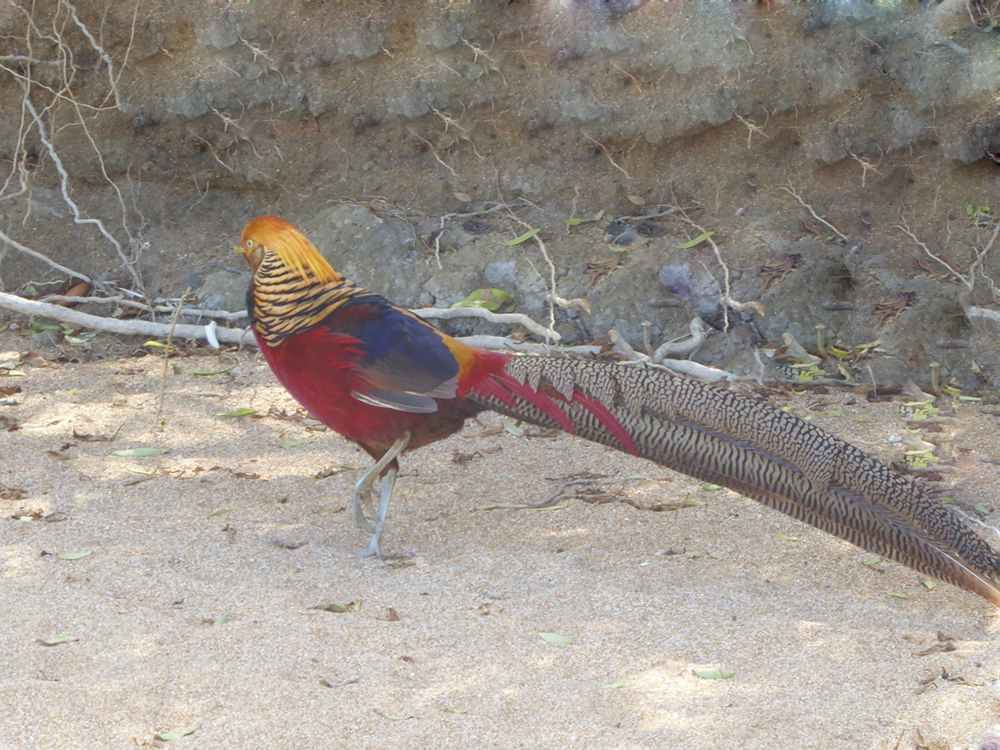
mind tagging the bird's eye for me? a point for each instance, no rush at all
(249, 244)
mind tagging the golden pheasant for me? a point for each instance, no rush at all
(386, 379)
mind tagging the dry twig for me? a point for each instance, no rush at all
(796, 196)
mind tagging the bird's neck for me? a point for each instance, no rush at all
(282, 303)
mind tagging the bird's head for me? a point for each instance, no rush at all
(269, 235)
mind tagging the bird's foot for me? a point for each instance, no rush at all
(388, 482)
(366, 517)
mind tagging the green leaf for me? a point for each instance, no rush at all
(715, 674)
(897, 596)
(574, 221)
(712, 487)
(176, 733)
(518, 240)
(338, 608)
(74, 555)
(555, 639)
(40, 326)
(787, 538)
(981, 509)
(930, 585)
(208, 373)
(612, 685)
(696, 241)
(242, 412)
(293, 443)
(511, 428)
(55, 640)
(141, 452)
(221, 620)
(488, 299)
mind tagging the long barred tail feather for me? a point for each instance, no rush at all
(769, 455)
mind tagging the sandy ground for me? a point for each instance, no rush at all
(197, 604)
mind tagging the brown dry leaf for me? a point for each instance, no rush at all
(937, 648)
(9, 424)
(239, 474)
(331, 471)
(598, 270)
(9, 390)
(34, 359)
(889, 310)
(930, 271)
(72, 287)
(140, 479)
(810, 228)
(86, 438)
(776, 272)
(12, 493)
(457, 457)
(488, 432)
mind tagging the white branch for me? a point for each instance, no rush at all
(502, 343)
(38, 256)
(214, 335)
(100, 51)
(683, 345)
(64, 185)
(158, 308)
(433, 313)
(131, 327)
(696, 370)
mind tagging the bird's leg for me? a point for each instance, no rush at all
(363, 496)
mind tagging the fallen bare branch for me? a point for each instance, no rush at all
(160, 308)
(131, 327)
(695, 370)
